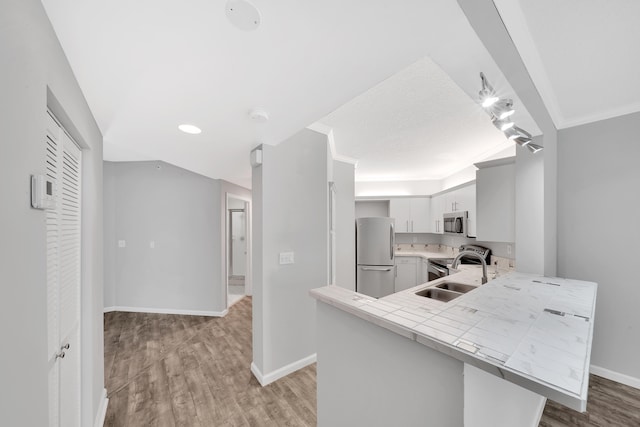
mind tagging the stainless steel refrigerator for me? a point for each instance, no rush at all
(375, 275)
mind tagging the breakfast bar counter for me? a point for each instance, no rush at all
(510, 343)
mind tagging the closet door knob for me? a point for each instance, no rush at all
(65, 347)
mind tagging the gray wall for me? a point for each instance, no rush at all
(598, 231)
(344, 177)
(290, 195)
(35, 73)
(181, 212)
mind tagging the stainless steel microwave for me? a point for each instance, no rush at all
(456, 223)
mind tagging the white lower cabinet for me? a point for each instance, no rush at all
(411, 271)
(406, 273)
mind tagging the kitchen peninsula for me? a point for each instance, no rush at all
(488, 357)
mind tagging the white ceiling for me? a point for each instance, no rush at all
(416, 125)
(583, 56)
(147, 66)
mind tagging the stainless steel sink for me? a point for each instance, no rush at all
(456, 287)
(438, 294)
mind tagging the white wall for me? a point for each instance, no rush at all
(529, 211)
(397, 188)
(290, 196)
(180, 212)
(369, 376)
(33, 62)
(367, 208)
(343, 175)
(598, 231)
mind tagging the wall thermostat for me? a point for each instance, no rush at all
(43, 192)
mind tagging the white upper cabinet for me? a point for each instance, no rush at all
(400, 210)
(496, 195)
(411, 214)
(420, 210)
(438, 205)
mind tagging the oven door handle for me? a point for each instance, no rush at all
(439, 269)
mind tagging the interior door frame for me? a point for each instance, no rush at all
(78, 350)
(248, 270)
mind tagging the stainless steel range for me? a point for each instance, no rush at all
(438, 267)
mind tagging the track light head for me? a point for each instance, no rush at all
(534, 148)
(487, 94)
(518, 135)
(502, 109)
(503, 125)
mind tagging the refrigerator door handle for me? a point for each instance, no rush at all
(376, 268)
(391, 239)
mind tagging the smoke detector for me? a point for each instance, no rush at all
(243, 15)
(258, 115)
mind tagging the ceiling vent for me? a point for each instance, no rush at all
(259, 115)
(243, 15)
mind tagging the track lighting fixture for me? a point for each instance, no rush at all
(500, 110)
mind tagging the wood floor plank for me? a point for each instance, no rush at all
(182, 403)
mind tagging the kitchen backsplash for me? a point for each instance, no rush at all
(449, 251)
(500, 249)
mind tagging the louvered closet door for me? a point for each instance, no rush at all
(63, 262)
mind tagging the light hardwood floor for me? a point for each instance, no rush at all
(169, 370)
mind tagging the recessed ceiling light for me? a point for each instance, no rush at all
(193, 130)
(243, 15)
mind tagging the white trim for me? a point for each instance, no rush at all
(541, 405)
(615, 376)
(166, 311)
(599, 116)
(281, 372)
(326, 130)
(102, 409)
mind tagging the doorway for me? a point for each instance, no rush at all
(237, 248)
(63, 160)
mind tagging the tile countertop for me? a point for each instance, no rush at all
(501, 327)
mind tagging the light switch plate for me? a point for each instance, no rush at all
(286, 258)
(122, 243)
(152, 244)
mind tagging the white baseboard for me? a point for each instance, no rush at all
(615, 376)
(167, 311)
(102, 409)
(281, 372)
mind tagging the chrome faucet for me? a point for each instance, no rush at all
(456, 261)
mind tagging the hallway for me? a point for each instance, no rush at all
(171, 370)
